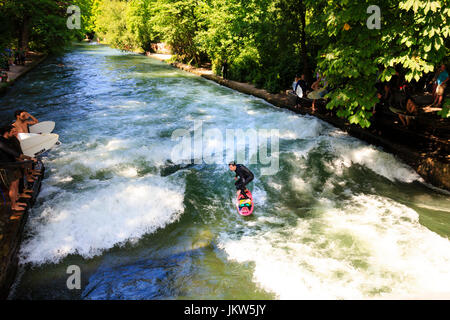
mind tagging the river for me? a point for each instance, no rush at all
(340, 219)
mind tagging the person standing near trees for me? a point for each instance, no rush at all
(300, 82)
(225, 69)
(441, 81)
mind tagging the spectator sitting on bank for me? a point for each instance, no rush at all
(409, 114)
(441, 82)
(10, 176)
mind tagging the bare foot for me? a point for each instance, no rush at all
(18, 206)
(25, 196)
(17, 215)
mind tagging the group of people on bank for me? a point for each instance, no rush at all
(17, 171)
(316, 91)
(397, 92)
(8, 58)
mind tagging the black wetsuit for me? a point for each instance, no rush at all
(245, 177)
(7, 153)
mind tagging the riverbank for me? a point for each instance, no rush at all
(11, 234)
(15, 72)
(425, 146)
(11, 231)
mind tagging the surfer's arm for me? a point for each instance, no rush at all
(248, 173)
(32, 121)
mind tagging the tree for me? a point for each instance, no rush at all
(412, 37)
(36, 24)
(139, 23)
(110, 24)
(178, 23)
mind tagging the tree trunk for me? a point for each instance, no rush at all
(304, 53)
(24, 36)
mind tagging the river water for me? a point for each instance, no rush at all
(340, 219)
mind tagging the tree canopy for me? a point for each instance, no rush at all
(265, 42)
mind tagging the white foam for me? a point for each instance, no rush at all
(89, 222)
(369, 248)
(351, 151)
(299, 184)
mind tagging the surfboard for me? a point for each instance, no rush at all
(316, 95)
(299, 92)
(42, 127)
(401, 112)
(245, 206)
(34, 144)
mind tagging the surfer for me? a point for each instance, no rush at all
(243, 177)
(22, 121)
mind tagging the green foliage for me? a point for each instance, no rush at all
(411, 37)
(258, 39)
(39, 24)
(445, 112)
(265, 42)
(177, 23)
(139, 23)
(111, 24)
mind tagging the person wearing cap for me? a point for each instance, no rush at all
(243, 177)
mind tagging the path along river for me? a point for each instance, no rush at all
(340, 219)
